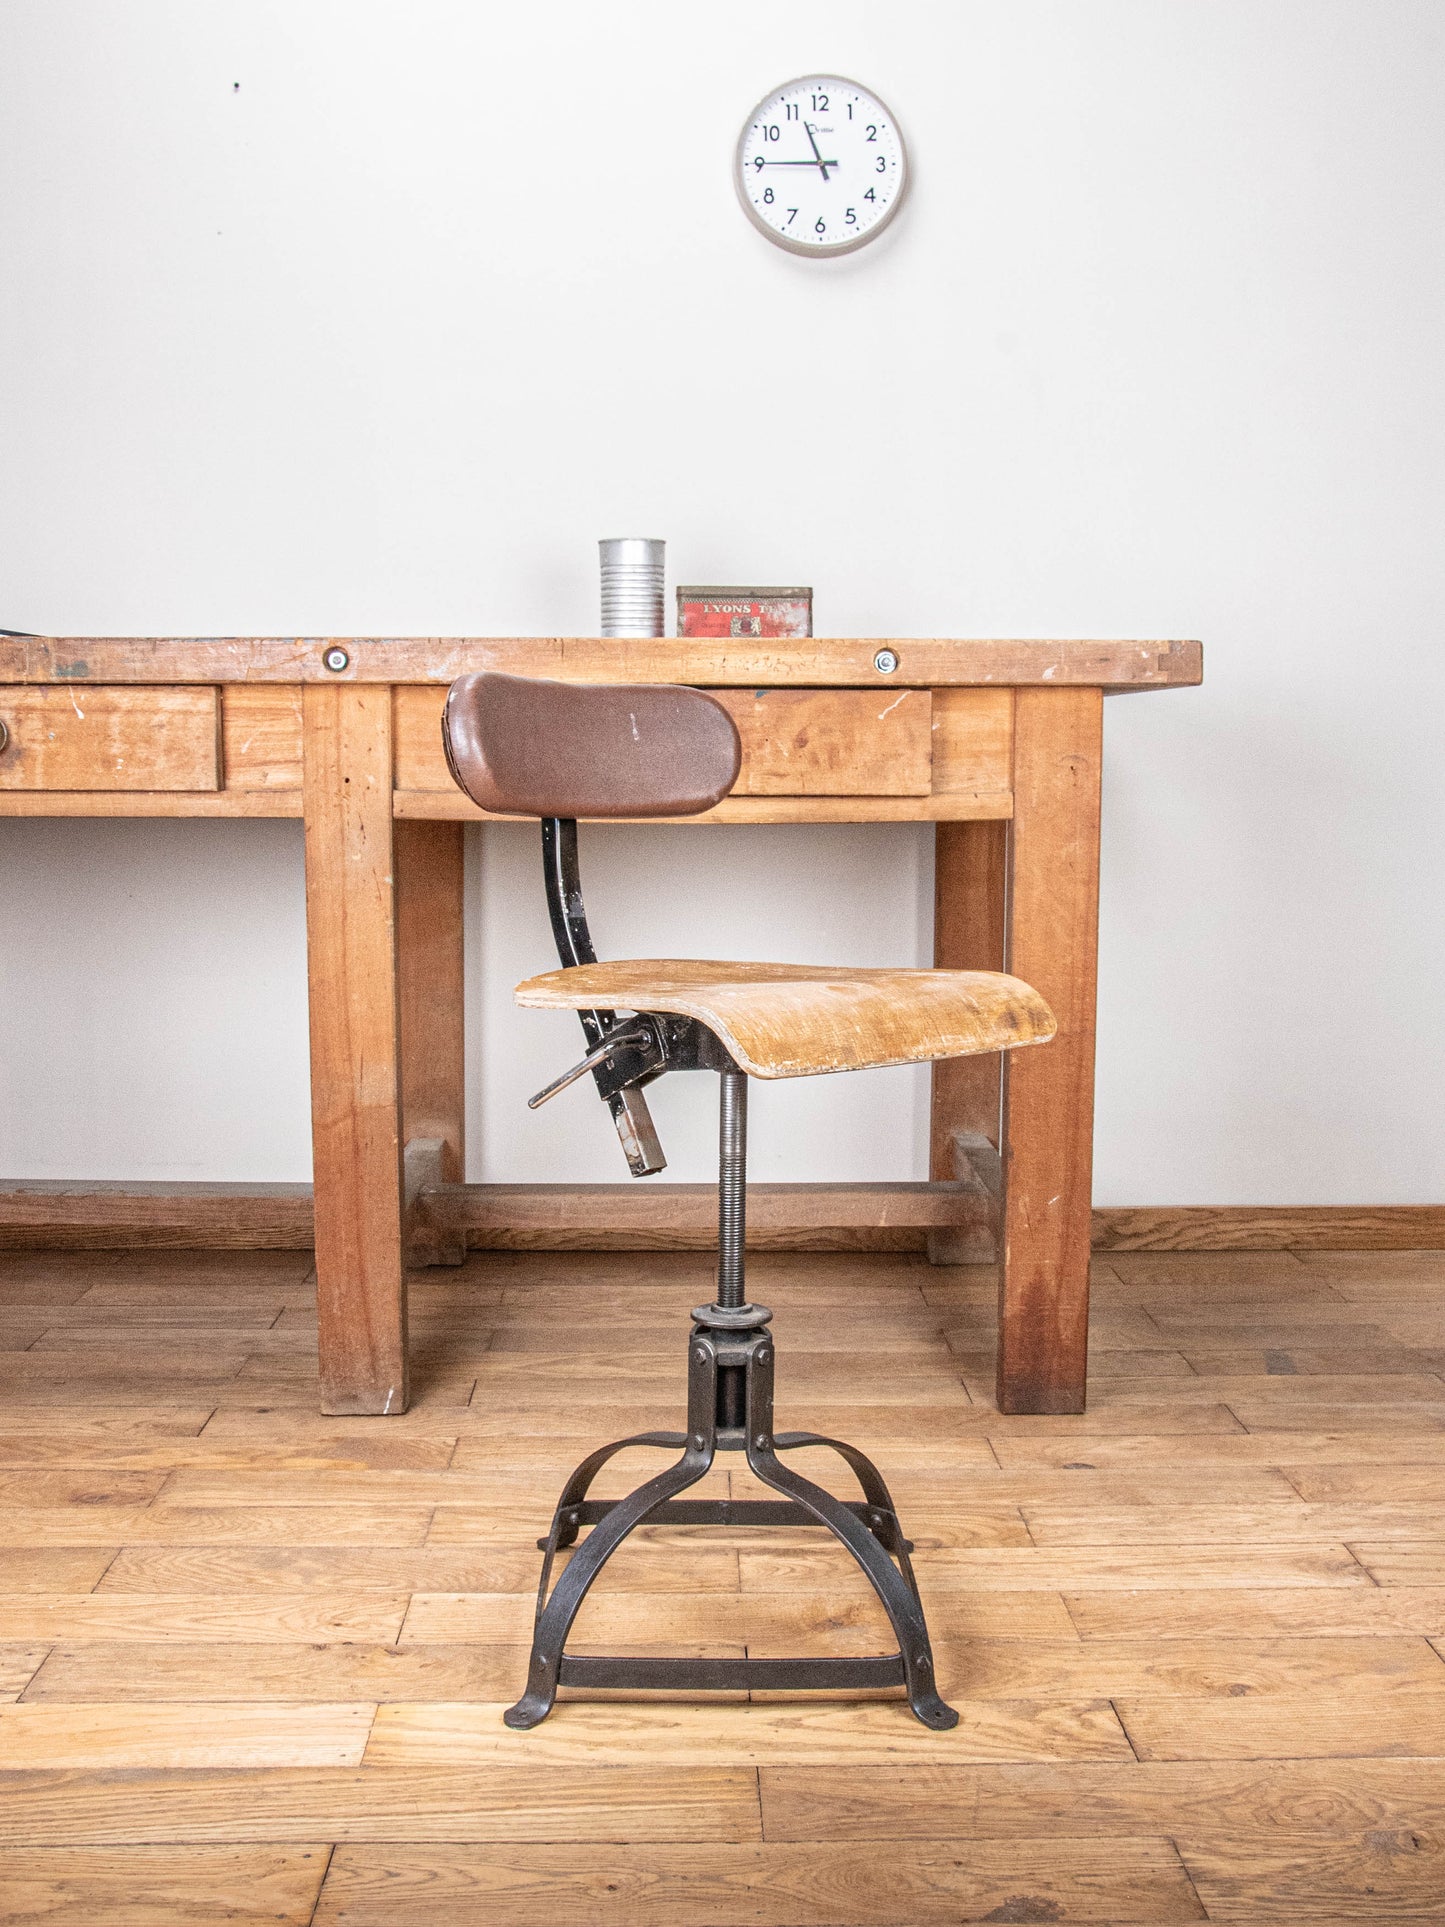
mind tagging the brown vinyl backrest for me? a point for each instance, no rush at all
(523, 747)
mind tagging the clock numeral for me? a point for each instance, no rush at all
(790, 110)
(882, 165)
(850, 217)
(768, 196)
(759, 162)
(870, 195)
(772, 133)
(820, 226)
(850, 110)
(791, 212)
(872, 133)
(820, 103)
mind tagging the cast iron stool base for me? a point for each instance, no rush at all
(730, 1409)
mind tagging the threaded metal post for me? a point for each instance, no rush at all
(732, 1187)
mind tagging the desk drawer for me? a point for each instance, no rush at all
(80, 737)
(832, 742)
(796, 742)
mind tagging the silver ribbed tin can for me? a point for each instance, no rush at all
(632, 567)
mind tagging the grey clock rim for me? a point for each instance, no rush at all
(835, 248)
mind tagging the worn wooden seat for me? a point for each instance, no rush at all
(798, 1020)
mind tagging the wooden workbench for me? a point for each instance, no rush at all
(999, 744)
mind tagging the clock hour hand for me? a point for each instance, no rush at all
(817, 155)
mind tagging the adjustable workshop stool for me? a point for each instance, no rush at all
(560, 751)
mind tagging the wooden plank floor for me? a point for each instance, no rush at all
(253, 1661)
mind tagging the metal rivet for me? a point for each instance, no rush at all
(698, 1441)
(885, 662)
(764, 1356)
(922, 1662)
(761, 1441)
(701, 1354)
(336, 660)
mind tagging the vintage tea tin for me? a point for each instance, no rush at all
(723, 611)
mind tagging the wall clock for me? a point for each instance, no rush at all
(821, 167)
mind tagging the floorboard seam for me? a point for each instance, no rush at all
(1361, 1564)
(20, 1699)
(326, 1875)
(1063, 1599)
(1114, 1707)
(101, 1577)
(1204, 1913)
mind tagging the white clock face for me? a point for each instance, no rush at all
(821, 166)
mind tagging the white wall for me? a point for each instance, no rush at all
(383, 339)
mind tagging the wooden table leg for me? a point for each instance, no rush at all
(1053, 935)
(969, 864)
(355, 1076)
(429, 957)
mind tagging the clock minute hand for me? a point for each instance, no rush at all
(823, 165)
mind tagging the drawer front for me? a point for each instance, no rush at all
(796, 742)
(832, 742)
(83, 737)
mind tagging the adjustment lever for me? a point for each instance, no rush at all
(624, 1037)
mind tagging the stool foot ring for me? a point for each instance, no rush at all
(722, 1364)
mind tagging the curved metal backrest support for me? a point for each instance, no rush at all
(519, 746)
(563, 880)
